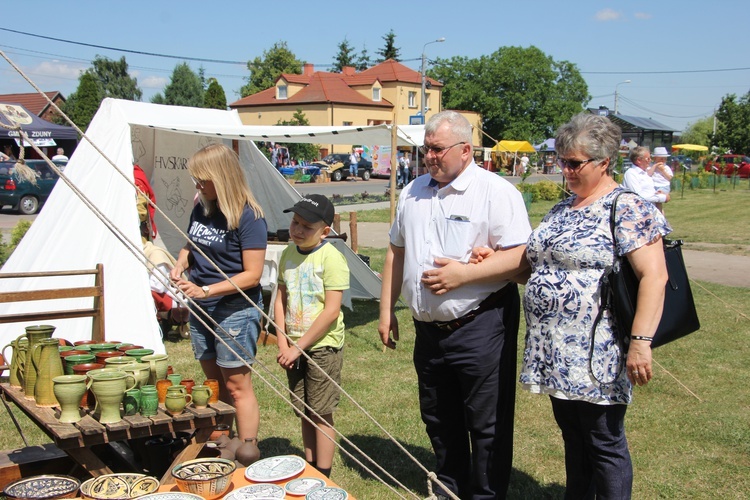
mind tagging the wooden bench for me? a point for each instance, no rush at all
(96, 311)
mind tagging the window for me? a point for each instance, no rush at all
(281, 89)
(412, 99)
(426, 102)
(376, 94)
(348, 124)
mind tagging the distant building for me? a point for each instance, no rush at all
(387, 93)
(36, 103)
(644, 131)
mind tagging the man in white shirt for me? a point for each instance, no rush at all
(465, 315)
(638, 179)
(60, 156)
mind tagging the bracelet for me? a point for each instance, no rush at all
(639, 337)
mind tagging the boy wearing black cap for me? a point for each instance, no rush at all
(313, 275)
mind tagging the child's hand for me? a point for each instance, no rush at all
(287, 358)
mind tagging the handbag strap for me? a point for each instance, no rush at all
(604, 289)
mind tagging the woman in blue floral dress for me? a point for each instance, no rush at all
(568, 253)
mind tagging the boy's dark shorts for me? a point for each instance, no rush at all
(312, 386)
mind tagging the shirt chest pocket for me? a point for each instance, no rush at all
(457, 237)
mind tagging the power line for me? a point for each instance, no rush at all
(633, 103)
(662, 72)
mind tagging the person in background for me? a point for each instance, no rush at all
(524, 164)
(60, 156)
(275, 156)
(661, 174)
(466, 316)
(8, 151)
(313, 275)
(589, 385)
(353, 163)
(228, 226)
(638, 177)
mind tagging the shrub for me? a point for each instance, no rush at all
(16, 234)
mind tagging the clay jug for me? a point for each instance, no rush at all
(109, 389)
(248, 452)
(140, 371)
(215, 388)
(201, 394)
(46, 360)
(18, 360)
(34, 334)
(189, 384)
(158, 364)
(69, 389)
(176, 403)
(149, 401)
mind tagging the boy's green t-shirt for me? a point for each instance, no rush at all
(307, 276)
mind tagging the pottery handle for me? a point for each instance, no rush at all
(135, 382)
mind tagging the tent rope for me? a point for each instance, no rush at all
(136, 252)
(22, 171)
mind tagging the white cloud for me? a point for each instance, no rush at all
(153, 82)
(607, 15)
(643, 15)
(59, 69)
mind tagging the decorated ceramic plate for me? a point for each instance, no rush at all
(261, 491)
(273, 469)
(303, 485)
(171, 495)
(327, 493)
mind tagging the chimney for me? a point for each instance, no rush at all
(348, 70)
(309, 69)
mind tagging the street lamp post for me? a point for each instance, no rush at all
(423, 108)
(626, 81)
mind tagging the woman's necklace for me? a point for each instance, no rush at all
(588, 200)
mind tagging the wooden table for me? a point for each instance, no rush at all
(239, 480)
(77, 439)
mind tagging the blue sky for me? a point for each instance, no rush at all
(670, 50)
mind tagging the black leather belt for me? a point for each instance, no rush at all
(491, 302)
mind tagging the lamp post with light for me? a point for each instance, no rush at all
(626, 81)
(423, 108)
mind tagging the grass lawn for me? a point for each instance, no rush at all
(682, 446)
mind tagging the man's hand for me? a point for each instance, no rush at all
(449, 275)
(388, 325)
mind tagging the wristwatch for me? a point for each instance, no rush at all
(206, 291)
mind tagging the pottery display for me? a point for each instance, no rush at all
(215, 388)
(201, 395)
(109, 389)
(176, 403)
(207, 477)
(118, 486)
(69, 391)
(159, 364)
(44, 487)
(138, 353)
(77, 359)
(149, 401)
(20, 347)
(45, 358)
(34, 334)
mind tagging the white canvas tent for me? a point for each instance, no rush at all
(67, 235)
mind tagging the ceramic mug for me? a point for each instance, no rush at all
(161, 389)
(201, 395)
(109, 389)
(159, 364)
(176, 378)
(131, 403)
(215, 388)
(176, 403)
(149, 401)
(69, 390)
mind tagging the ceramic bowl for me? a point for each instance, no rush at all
(42, 487)
(207, 477)
(118, 486)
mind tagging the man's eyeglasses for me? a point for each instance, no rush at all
(425, 150)
(573, 164)
(198, 184)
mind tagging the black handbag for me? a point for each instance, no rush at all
(679, 317)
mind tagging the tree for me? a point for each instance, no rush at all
(389, 51)
(699, 132)
(185, 88)
(521, 93)
(345, 57)
(264, 72)
(733, 124)
(114, 79)
(215, 98)
(82, 104)
(300, 151)
(363, 60)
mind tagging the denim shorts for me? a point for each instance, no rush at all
(240, 320)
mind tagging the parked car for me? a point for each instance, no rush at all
(675, 162)
(22, 195)
(337, 165)
(739, 164)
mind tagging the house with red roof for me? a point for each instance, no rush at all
(36, 103)
(386, 93)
